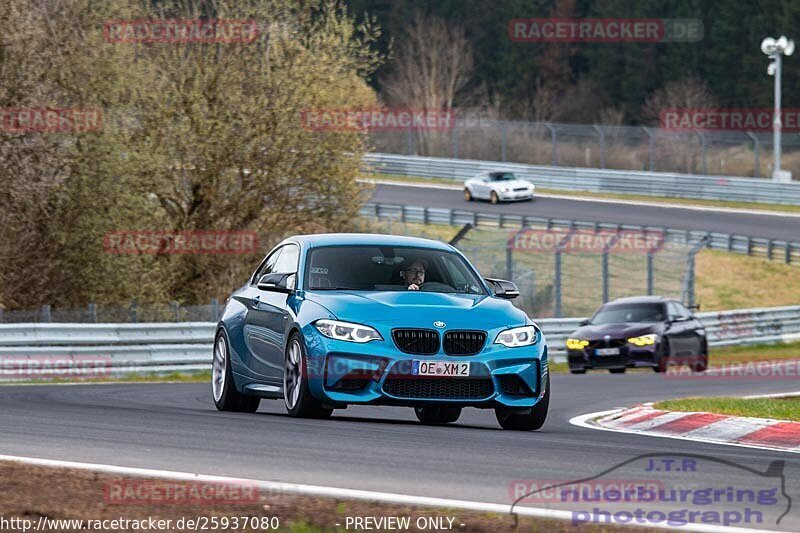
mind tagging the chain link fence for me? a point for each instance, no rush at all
(726, 153)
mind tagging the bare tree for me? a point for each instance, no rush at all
(433, 63)
(679, 150)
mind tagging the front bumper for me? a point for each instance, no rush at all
(629, 356)
(342, 373)
(515, 195)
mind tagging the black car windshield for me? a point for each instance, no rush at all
(620, 313)
(388, 268)
(503, 176)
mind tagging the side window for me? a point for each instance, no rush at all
(672, 310)
(268, 266)
(287, 262)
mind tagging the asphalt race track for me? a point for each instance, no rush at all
(176, 427)
(753, 225)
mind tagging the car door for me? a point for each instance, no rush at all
(680, 331)
(268, 317)
(695, 333)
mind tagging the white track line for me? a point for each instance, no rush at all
(275, 487)
(642, 203)
(584, 421)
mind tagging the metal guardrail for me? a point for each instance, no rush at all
(596, 180)
(165, 347)
(786, 251)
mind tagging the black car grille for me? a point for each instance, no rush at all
(464, 342)
(448, 388)
(611, 343)
(416, 341)
(520, 189)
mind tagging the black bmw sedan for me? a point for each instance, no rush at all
(643, 331)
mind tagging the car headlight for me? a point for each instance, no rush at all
(347, 331)
(576, 344)
(516, 337)
(644, 340)
(505, 189)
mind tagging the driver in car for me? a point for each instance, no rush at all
(414, 275)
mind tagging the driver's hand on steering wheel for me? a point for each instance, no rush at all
(413, 287)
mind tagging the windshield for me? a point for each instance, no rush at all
(387, 268)
(617, 314)
(503, 176)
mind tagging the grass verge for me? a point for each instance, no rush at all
(777, 408)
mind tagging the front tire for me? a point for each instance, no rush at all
(529, 422)
(494, 198)
(296, 394)
(223, 389)
(436, 415)
(664, 360)
(468, 195)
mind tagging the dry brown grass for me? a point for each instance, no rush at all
(735, 281)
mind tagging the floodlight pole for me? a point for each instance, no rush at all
(776, 121)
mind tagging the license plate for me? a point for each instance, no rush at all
(439, 368)
(607, 351)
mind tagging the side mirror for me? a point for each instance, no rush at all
(584, 322)
(503, 288)
(277, 282)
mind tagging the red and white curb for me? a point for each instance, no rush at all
(699, 426)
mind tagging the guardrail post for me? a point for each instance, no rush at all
(503, 141)
(403, 214)
(749, 245)
(650, 258)
(93, 313)
(730, 242)
(787, 253)
(769, 248)
(451, 218)
(134, 313)
(176, 310)
(425, 215)
(602, 145)
(45, 314)
(214, 309)
(756, 155)
(605, 276)
(650, 148)
(557, 285)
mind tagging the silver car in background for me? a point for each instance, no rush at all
(497, 187)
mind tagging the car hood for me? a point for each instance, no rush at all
(420, 309)
(616, 331)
